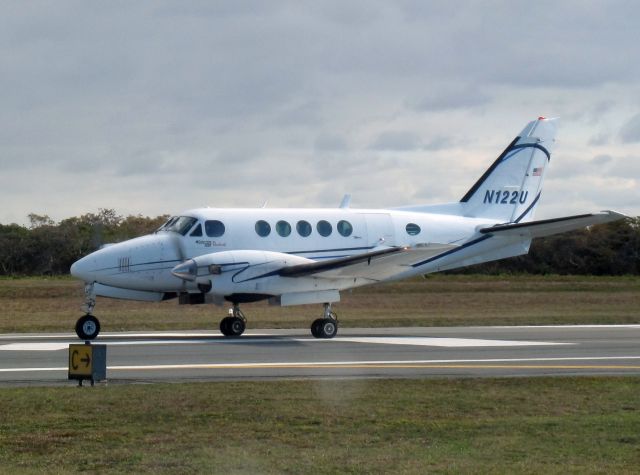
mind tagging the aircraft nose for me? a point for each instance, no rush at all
(82, 269)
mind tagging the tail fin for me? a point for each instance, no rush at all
(510, 189)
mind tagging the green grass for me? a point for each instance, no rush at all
(38, 304)
(523, 425)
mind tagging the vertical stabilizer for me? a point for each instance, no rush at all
(510, 189)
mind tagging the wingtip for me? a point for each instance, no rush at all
(614, 215)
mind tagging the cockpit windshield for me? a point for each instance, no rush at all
(178, 224)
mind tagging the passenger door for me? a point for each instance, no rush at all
(379, 229)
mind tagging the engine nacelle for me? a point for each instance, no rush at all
(229, 272)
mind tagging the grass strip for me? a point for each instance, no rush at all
(33, 304)
(523, 425)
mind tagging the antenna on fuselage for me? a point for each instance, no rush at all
(346, 201)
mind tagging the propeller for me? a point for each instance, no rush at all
(181, 254)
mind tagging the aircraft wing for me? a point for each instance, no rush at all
(547, 227)
(374, 265)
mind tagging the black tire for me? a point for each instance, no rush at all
(87, 327)
(236, 326)
(316, 328)
(224, 326)
(329, 328)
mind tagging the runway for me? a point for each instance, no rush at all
(354, 353)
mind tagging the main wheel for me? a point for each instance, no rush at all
(224, 326)
(329, 328)
(87, 327)
(316, 328)
(236, 326)
(232, 326)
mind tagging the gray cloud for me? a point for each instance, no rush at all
(446, 97)
(630, 132)
(397, 140)
(403, 141)
(600, 139)
(330, 143)
(601, 160)
(114, 104)
(627, 167)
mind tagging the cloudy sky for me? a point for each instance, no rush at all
(155, 107)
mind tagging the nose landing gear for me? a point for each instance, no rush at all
(88, 326)
(326, 327)
(235, 323)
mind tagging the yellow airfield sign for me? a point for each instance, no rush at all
(88, 361)
(80, 360)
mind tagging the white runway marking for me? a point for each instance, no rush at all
(567, 327)
(34, 346)
(412, 341)
(306, 364)
(204, 334)
(445, 342)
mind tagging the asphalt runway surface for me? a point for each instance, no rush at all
(355, 353)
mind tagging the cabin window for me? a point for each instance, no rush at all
(324, 228)
(412, 229)
(283, 228)
(263, 228)
(344, 228)
(214, 228)
(303, 228)
(197, 231)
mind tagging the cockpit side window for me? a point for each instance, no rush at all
(179, 224)
(169, 222)
(197, 231)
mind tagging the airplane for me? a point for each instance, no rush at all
(308, 256)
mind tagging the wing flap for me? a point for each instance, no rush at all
(548, 227)
(374, 265)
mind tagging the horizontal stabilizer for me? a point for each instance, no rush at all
(375, 265)
(548, 227)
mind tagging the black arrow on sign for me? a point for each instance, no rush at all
(86, 360)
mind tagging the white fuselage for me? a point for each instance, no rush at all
(292, 236)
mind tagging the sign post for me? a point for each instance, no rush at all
(87, 362)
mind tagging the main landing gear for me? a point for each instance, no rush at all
(326, 327)
(88, 326)
(235, 323)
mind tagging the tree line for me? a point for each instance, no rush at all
(45, 247)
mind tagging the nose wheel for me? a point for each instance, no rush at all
(87, 327)
(235, 323)
(326, 327)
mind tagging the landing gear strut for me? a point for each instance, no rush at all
(326, 327)
(88, 326)
(235, 323)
